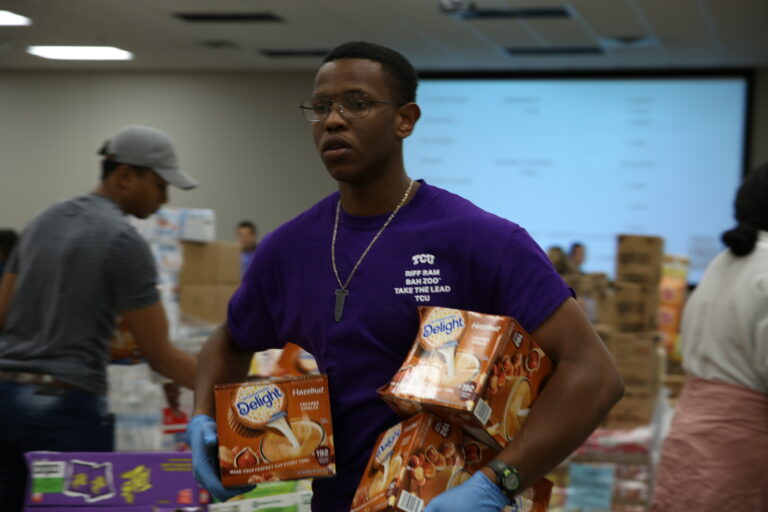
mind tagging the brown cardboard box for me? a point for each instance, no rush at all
(411, 463)
(210, 262)
(631, 412)
(632, 346)
(274, 430)
(206, 301)
(639, 259)
(480, 371)
(636, 305)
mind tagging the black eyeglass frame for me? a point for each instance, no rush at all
(310, 111)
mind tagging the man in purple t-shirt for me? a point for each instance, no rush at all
(344, 279)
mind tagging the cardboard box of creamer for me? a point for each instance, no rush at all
(480, 371)
(273, 430)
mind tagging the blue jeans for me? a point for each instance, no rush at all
(34, 417)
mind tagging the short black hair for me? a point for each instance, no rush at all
(751, 212)
(574, 246)
(8, 239)
(246, 224)
(403, 79)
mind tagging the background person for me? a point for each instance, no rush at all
(76, 267)
(719, 433)
(247, 236)
(559, 259)
(576, 256)
(332, 280)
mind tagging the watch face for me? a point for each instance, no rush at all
(511, 481)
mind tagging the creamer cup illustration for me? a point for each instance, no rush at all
(262, 405)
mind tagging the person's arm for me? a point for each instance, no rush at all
(149, 327)
(583, 387)
(581, 390)
(7, 285)
(222, 360)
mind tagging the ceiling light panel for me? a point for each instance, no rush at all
(80, 52)
(11, 19)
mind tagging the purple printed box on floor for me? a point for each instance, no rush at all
(144, 508)
(112, 479)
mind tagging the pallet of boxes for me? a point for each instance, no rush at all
(614, 466)
(209, 275)
(464, 392)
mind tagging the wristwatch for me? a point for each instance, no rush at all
(507, 478)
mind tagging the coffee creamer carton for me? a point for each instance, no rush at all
(411, 463)
(480, 371)
(272, 430)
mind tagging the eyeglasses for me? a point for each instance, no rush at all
(351, 105)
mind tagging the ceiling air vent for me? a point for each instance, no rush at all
(277, 53)
(555, 51)
(228, 17)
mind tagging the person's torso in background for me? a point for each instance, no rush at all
(724, 334)
(63, 312)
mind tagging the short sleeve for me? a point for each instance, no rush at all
(131, 272)
(528, 286)
(254, 306)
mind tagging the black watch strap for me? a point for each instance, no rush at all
(507, 478)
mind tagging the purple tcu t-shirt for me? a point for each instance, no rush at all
(467, 259)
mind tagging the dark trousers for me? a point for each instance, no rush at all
(36, 417)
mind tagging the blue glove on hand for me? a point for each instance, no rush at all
(203, 439)
(477, 494)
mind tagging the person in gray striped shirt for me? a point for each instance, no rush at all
(78, 265)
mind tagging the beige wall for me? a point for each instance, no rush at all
(240, 134)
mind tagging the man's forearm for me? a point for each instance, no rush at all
(570, 407)
(220, 360)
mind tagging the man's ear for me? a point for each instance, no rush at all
(406, 119)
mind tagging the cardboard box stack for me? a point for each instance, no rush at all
(633, 337)
(209, 276)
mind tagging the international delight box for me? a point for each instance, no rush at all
(480, 371)
(411, 463)
(422, 457)
(272, 430)
(107, 479)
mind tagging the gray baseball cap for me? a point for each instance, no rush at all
(144, 146)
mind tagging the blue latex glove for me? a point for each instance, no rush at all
(203, 439)
(477, 494)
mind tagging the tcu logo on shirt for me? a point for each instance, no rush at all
(423, 258)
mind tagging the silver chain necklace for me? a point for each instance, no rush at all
(342, 291)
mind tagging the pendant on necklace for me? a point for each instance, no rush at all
(341, 295)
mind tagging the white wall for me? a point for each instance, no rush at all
(240, 134)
